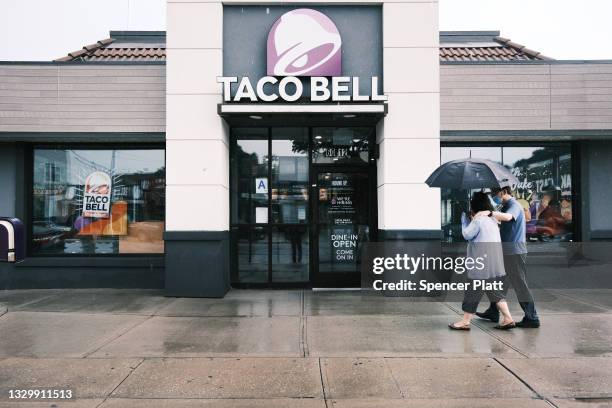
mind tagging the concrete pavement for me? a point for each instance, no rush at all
(136, 348)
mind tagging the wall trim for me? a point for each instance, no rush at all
(155, 261)
(548, 135)
(409, 235)
(601, 234)
(83, 137)
(196, 235)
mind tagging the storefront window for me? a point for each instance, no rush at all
(251, 249)
(250, 176)
(290, 175)
(544, 189)
(341, 145)
(277, 188)
(98, 201)
(290, 253)
(272, 207)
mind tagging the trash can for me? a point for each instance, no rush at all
(12, 240)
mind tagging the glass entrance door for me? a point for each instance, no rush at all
(342, 225)
(303, 202)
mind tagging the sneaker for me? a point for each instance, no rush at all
(528, 324)
(487, 315)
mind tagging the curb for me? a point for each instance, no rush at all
(3, 309)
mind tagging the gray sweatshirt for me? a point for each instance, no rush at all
(484, 242)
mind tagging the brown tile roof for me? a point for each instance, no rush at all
(135, 46)
(506, 51)
(459, 46)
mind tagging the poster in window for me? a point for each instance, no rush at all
(97, 195)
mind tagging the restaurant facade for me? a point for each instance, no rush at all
(263, 145)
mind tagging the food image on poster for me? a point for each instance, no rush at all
(97, 195)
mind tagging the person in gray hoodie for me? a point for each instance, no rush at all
(484, 243)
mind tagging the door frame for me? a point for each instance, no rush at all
(313, 169)
(338, 280)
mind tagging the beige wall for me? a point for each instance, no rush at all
(197, 150)
(82, 98)
(409, 137)
(526, 96)
(132, 98)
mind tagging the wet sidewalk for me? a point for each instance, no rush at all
(136, 348)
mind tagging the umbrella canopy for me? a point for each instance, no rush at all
(467, 174)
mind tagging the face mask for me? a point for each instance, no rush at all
(497, 200)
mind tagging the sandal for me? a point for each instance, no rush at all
(453, 327)
(508, 326)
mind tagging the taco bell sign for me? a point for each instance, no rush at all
(304, 42)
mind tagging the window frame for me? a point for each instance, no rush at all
(29, 192)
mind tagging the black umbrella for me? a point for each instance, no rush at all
(467, 174)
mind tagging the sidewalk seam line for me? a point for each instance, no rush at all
(525, 383)
(399, 389)
(121, 382)
(501, 340)
(33, 302)
(584, 302)
(321, 376)
(491, 334)
(89, 353)
(163, 306)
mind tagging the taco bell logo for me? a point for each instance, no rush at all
(304, 42)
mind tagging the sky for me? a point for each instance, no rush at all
(42, 30)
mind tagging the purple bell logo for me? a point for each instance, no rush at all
(304, 42)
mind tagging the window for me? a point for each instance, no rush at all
(250, 176)
(544, 189)
(98, 201)
(341, 145)
(269, 190)
(270, 185)
(290, 175)
(289, 199)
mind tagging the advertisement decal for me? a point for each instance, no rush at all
(97, 195)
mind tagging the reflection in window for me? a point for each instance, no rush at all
(98, 201)
(290, 253)
(250, 176)
(251, 249)
(458, 153)
(544, 189)
(341, 145)
(290, 175)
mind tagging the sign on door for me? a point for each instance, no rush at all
(261, 185)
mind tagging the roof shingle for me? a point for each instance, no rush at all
(458, 46)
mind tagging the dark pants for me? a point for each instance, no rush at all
(516, 275)
(471, 297)
(296, 247)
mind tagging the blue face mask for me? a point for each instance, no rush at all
(497, 200)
